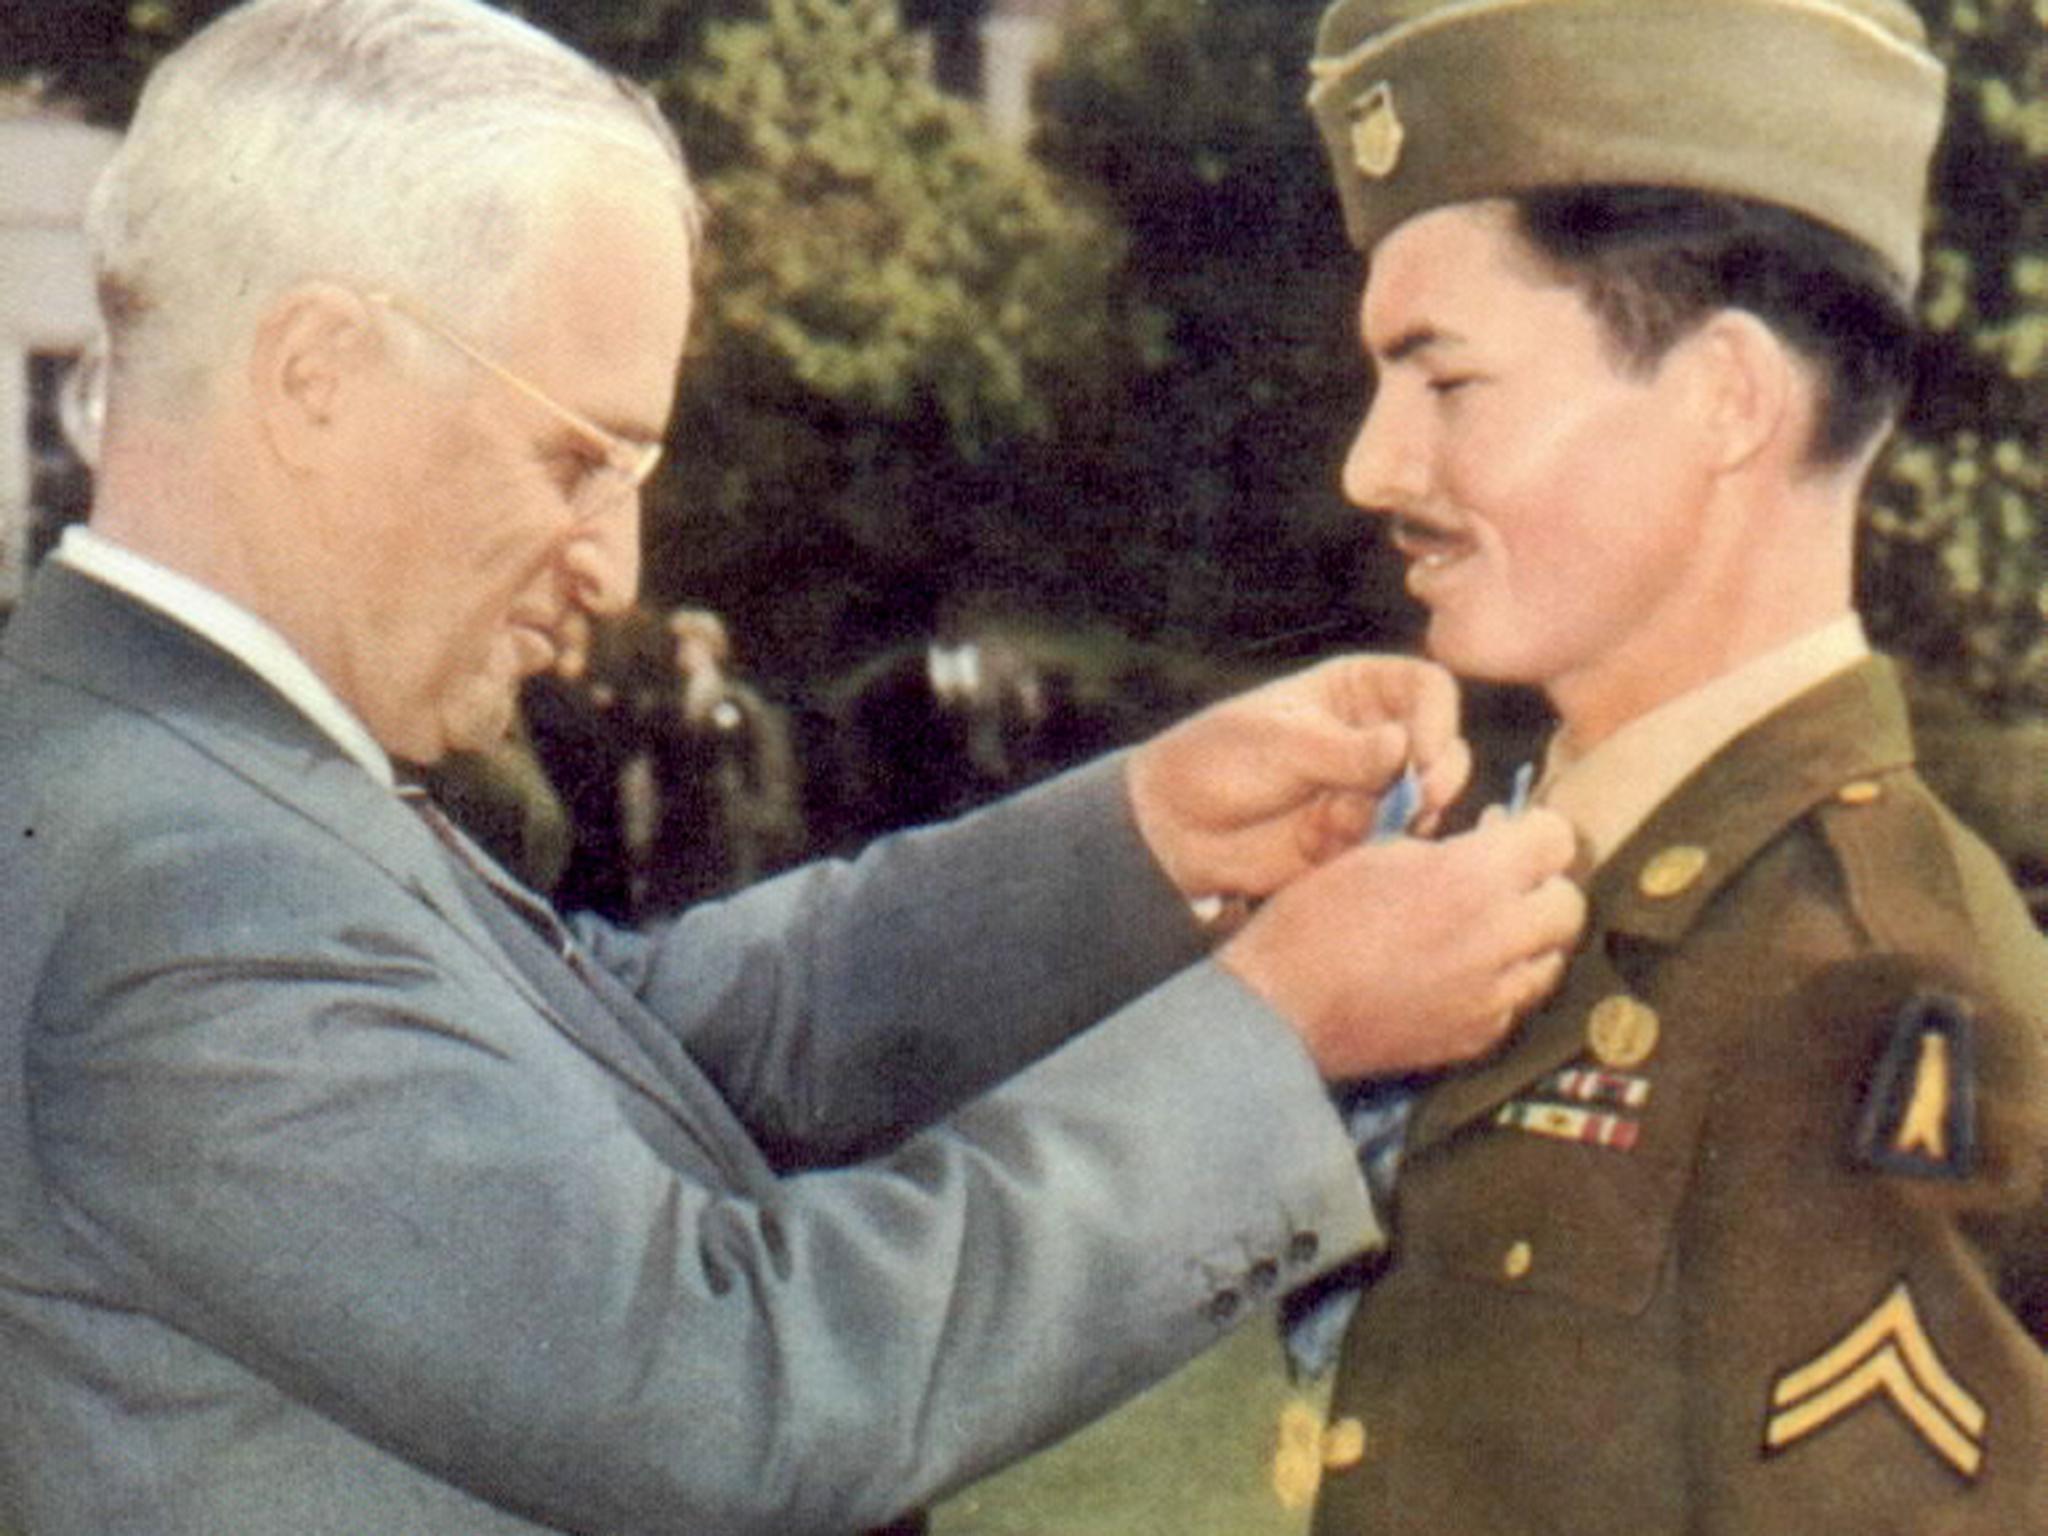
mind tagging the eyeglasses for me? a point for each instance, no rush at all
(624, 466)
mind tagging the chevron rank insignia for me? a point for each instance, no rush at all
(1886, 1357)
(1920, 1116)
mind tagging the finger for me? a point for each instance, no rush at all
(1399, 687)
(1557, 912)
(1506, 854)
(1536, 844)
(1339, 820)
(1319, 830)
(1546, 922)
(1420, 695)
(1485, 1030)
(1383, 755)
(1444, 776)
(1526, 983)
(1435, 743)
(1315, 750)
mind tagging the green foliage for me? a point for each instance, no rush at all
(98, 52)
(1955, 568)
(872, 240)
(896, 308)
(95, 53)
(1186, 118)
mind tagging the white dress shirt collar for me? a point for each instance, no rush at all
(231, 627)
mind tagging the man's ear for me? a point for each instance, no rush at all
(1757, 394)
(312, 355)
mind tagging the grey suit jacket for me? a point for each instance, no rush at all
(331, 1203)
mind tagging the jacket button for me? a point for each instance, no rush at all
(1518, 1260)
(1223, 1306)
(1264, 1275)
(1860, 792)
(1302, 1247)
(1343, 1445)
(1673, 872)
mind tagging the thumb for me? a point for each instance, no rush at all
(1382, 754)
(1341, 818)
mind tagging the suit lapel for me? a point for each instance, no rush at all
(75, 630)
(575, 993)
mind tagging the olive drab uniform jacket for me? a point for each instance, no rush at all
(1744, 1233)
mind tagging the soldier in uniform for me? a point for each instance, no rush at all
(1743, 1232)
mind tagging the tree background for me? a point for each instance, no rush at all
(1097, 394)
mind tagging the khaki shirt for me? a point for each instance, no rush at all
(1609, 790)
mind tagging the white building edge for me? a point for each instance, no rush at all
(1017, 38)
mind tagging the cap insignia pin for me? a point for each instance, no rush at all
(1377, 133)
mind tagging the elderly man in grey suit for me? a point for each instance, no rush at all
(342, 1188)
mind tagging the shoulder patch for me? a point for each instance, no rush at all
(1919, 1117)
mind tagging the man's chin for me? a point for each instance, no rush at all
(480, 720)
(1472, 658)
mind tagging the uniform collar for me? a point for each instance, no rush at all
(1611, 790)
(1836, 738)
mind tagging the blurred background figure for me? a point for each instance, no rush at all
(643, 776)
(989, 701)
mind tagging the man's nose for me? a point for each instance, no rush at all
(1387, 468)
(603, 558)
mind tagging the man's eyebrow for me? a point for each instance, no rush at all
(1420, 339)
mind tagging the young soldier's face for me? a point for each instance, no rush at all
(1548, 498)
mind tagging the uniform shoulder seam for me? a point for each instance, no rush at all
(1899, 864)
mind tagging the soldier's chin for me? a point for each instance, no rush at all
(1469, 657)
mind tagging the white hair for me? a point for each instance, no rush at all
(386, 143)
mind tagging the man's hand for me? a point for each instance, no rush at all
(1250, 793)
(1410, 954)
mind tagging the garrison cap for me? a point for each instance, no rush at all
(1830, 108)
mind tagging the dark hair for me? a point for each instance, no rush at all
(1655, 262)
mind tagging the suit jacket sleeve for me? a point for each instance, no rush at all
(843, 1004)
(281, 1107)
